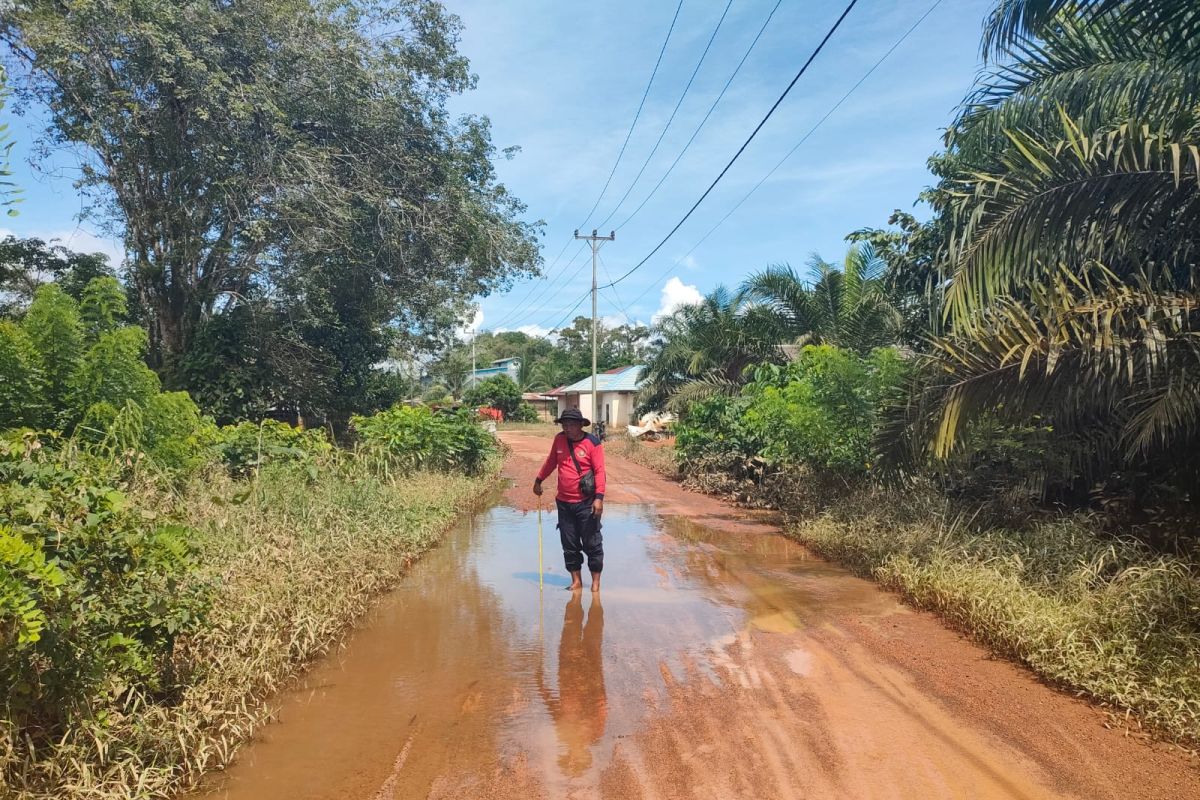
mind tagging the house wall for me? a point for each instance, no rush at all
(620, 407)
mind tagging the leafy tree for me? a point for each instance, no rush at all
(232, 165)
(26, 264)
(1071, 193)
(53, 326)
(22, 387)
(495, 392)
(252, 360)
(8, 190)
(114, 371)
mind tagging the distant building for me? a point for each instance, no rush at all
(617, 390)
(546, 404)
(508, 367)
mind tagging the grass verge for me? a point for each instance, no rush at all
(658, 456)
(294, 561)
(1106, 617)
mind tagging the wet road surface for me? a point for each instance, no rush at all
(721, 660)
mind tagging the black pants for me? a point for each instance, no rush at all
(579, 531)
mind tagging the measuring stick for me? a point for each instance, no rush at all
(539, 545)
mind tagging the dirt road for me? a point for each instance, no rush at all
(721, 661)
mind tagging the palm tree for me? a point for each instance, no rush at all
(847, 307)
(1072, 190)
(704, 349)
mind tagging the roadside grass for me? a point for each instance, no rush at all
(1107, 617)
(659, 456)
(294, 560)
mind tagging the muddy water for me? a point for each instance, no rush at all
(468, 669)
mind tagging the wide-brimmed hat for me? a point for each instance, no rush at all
(574, 415)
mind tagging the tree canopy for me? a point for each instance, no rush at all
(293, 155)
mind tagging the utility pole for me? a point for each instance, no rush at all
(473, 335)
(595, 241)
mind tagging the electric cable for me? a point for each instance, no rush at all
(796, 147)
(757, 128)
(687, 87)
(707, 114)
(625, 144)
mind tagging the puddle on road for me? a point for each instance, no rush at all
(467, 668)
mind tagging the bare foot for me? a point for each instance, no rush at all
(596, 584)
(576, 582)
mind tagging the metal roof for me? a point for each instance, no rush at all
(623, 379)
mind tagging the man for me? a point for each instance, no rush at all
(575, 455)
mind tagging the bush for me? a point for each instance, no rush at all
(247, 446)
(495, 392)
(408, 438)
(821, 410)
(56, 331)
(22, 381)
(436, 395)
(94, 595)
(523, 413)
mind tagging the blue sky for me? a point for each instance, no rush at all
(562, 81)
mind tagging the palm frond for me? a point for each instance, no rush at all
(1131, 196)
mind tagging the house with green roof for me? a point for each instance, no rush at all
(616, 391)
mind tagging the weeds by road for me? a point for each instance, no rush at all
(294, 560)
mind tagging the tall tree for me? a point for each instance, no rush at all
(249, 147)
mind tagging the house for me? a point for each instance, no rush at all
(545, 404)
(617, 390)
(508, 367)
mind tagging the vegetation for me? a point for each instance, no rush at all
(284, 218)
(1106, 616)
(995, 411)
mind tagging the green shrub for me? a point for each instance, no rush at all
(435, 395)
(113, 371)
(408, 438)
(174, 434)
(523, 413)
(55, 329)
(22, 381)
(103, 307)
(248, 446)
(95, 592)
(821, 410)
(495, 392)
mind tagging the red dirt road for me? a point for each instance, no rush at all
(721, 661)
(865, 705)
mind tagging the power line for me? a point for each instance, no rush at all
(796, 147)
(745, 144)
(530, 299)
(635, 116)
(620, 154)
(671, 118)
(707, 114)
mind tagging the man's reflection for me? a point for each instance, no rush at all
(581, 708)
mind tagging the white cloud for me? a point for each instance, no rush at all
(676, 294)
(534, 330)
(690, 262)
(79, 239)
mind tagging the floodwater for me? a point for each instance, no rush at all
(468, 670)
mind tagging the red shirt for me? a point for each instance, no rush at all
(590, 454)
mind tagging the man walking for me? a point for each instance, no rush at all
(579, 459)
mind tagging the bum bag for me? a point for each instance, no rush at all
(587, 480)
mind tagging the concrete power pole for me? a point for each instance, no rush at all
(595, 241)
